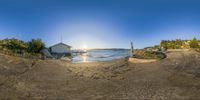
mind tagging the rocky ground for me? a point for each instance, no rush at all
(176, 77)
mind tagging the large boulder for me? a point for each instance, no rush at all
(46, 53)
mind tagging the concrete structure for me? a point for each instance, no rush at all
(136, 60)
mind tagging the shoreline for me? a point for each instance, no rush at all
(122, 58)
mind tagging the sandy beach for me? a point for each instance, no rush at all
(176, 77)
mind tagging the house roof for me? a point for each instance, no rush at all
(60, 44)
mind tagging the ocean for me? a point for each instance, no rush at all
(101, 55)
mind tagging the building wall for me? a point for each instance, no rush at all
(60, 49)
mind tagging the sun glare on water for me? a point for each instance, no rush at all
(84, 56)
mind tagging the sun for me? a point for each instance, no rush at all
(84, 47)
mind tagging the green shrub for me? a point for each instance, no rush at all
(147, 54)
(194, 43)
(150, 54)
(180, 44)
(35, 46)
(15, 46)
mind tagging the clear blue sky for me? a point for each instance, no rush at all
(100, 23)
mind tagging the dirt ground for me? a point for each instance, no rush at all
(176, 77)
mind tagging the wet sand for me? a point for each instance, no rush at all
(176, 77)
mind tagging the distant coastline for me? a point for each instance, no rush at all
(108, 49)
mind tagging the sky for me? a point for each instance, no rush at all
(100, 23)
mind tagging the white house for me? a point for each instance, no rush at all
(60, 48)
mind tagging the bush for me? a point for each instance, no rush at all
(194, 43)
(35, 46)
(15, 45)
(1, 47)
(180, 44)
(148, 54)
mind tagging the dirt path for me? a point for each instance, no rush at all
(176, 77)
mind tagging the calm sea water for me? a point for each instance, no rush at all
(101, 55)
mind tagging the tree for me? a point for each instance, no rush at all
(194, 43)
(35, 46)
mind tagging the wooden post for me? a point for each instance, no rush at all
(132, 49)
